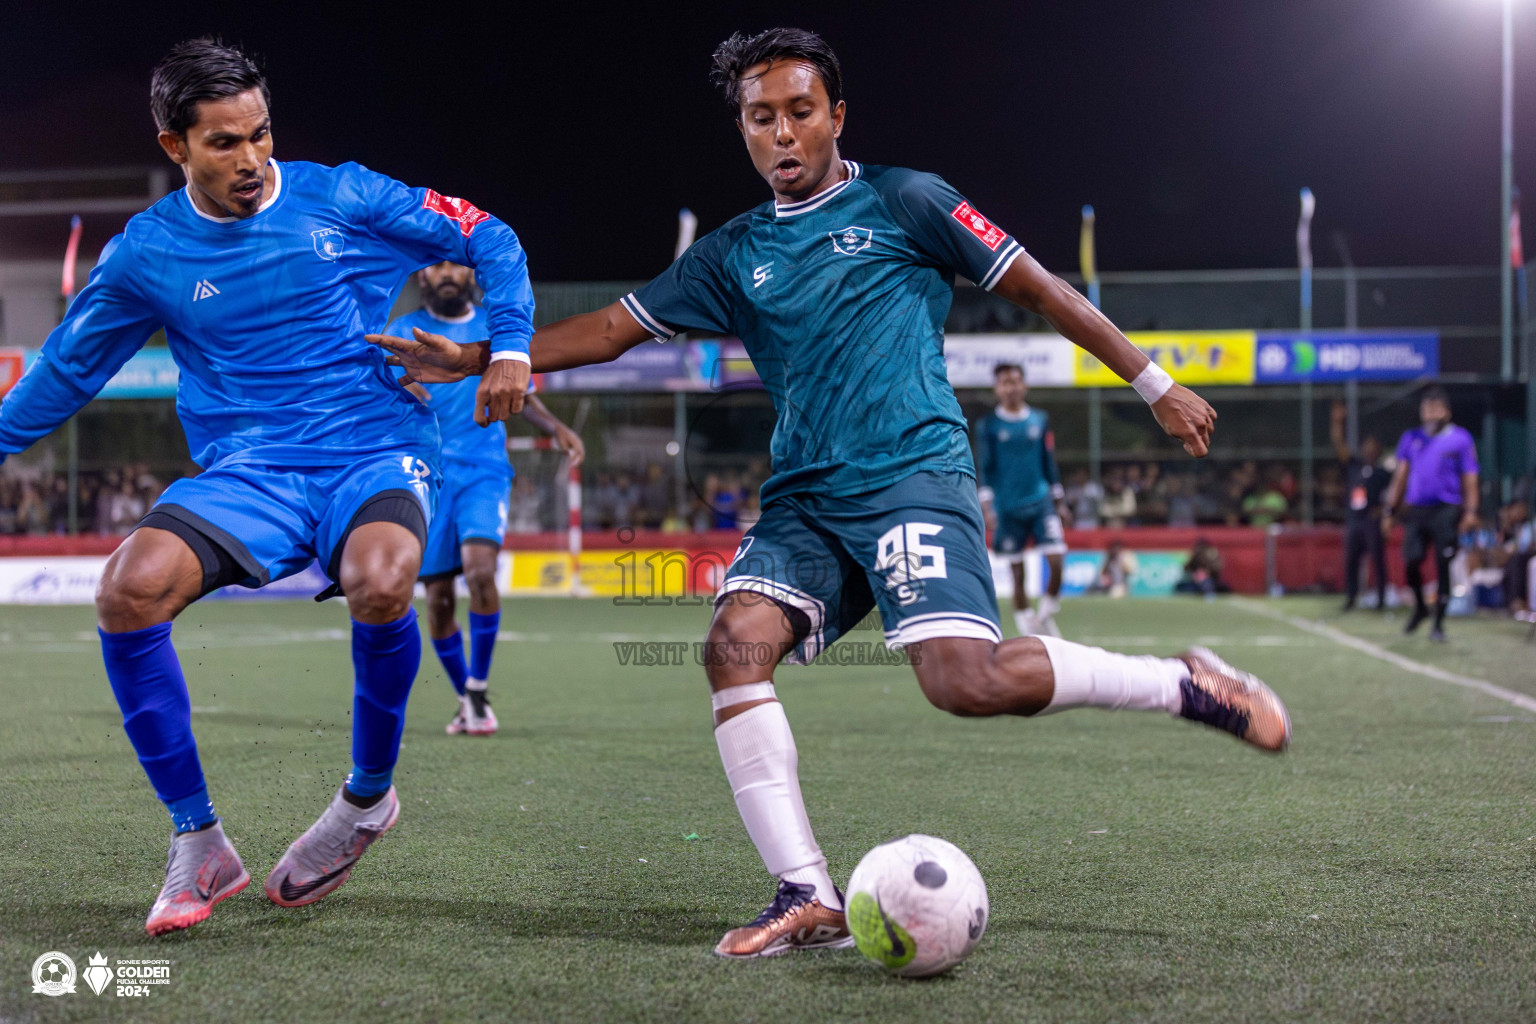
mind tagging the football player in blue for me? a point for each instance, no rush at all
(1021, 495)
(265, 277)
(839, 287)
(471, 518)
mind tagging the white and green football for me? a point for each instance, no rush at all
(917, 905)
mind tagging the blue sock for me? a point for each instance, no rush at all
(385, 659)
(157, 716)
(482, 641)
(450, 651)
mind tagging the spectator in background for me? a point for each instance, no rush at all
(1202, 573)
(1183, 509)
(1083, 497)
(726, 500)
(1266, 504)
(626, 501)
(523, 506)
(750, 513)
(10, 499)
(597, 512)
(1517, 535)
(1436, 486)
(1118, 507)
(32, 513)
(655, 494)
(1365, 484)
(1117, 571)
(127, 508)
(58, 505)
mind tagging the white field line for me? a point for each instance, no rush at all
(1343, 639)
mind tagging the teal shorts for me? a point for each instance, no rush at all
(916, 550)
(1018, 529)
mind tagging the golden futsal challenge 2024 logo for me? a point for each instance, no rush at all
(54, 974)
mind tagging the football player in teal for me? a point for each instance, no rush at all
(1021, 494)
(839, 287)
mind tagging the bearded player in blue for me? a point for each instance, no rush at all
(265, 278)
(839, 288)
(471, 519)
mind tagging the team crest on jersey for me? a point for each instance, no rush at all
(461, 210)
(990, 234)
(851, 241)
(329, 243)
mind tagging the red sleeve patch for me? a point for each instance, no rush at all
(461, 210)
(990, 234)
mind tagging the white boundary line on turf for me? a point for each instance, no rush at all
(1344, 639)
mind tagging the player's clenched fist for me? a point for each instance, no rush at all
(1188, 417)
(501, 391)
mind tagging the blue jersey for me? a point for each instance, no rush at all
(841, 301)
(1016, 459)
(265, 317)
(466, 444)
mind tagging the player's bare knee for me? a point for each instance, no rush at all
(381, 594)
(736, 653)
(481, 582)
(440, 608)
(135, 599)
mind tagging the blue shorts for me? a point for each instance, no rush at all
(275, 520)
(1017, 529)
(916, 550)
(472, 506)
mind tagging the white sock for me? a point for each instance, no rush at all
(476, 684)
(1048, 606)
(1025, 622)
(758, 751)
(1094, 677)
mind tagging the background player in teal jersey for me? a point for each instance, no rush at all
(471, 518)
(1021, 494)
(265, 278)
(839, 287)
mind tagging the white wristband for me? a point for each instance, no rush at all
(733, 695)
(1152, 382)
(521, 357)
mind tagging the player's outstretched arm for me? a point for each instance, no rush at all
(1179, 411)
(537, 413)
(597, 337)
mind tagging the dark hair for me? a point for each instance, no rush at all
(733, 57)
(1002, 368)
(198, 70)
(1435, 393)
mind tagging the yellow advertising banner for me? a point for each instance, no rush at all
(644, 574)
(1190, 357)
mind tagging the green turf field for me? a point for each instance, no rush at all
(580, 865)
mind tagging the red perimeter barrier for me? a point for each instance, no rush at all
(1305, 559)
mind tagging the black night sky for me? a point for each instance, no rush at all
(1190, 126)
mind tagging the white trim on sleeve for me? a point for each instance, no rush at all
(644, 319)
(1000, 265)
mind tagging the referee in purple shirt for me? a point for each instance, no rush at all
(1434, 490)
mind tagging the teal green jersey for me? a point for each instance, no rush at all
(840, 300)
(1016, 459)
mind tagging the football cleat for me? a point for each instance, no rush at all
(479, 719)
(321, 859)
(460, 723)
(795, 919)
(202, 869)
(1416, 620)
(1232, 700)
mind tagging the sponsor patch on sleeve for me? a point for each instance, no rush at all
(455, 209)
(990, 234)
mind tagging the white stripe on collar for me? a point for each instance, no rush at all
(1013, 417)
(277, 190)
(806, 205)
